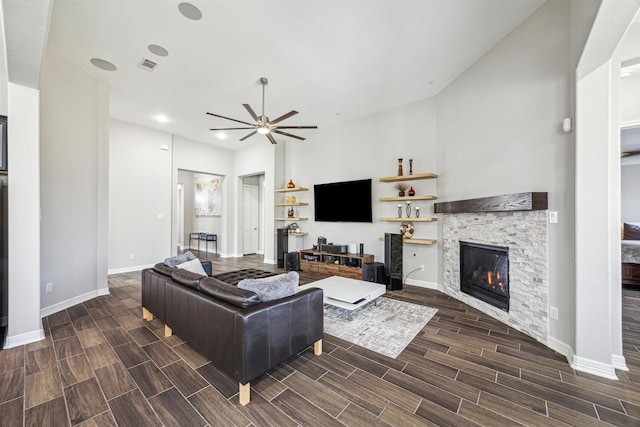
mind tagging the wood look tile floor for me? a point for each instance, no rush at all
(102, 365)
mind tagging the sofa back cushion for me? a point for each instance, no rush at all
(164, 269)
(187, 278)
(228, 293)
(269, 290)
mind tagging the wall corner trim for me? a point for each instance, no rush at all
(22, 339)
(619, 362)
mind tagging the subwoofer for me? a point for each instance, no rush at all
(373, 272)
(393, 261)
(282, 245)
(292, 261)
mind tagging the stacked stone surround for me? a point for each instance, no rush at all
(525, 234)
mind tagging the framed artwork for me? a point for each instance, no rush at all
(208, 195)
(3, 144)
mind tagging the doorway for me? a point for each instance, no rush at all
(251, 230)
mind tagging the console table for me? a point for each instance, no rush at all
(206, 238)
(345, 265)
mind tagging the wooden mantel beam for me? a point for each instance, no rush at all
(505, 203)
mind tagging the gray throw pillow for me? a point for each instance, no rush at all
(269, 290)
(175, 260)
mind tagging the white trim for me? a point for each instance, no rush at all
(47, 311)
(269, 261)
(22, 339)
(630, 124)
(561, 347)
(619, 362)
(421, 283)
(594, 367)
(128, 269)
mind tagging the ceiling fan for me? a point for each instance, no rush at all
(629, 153)
(262, 123)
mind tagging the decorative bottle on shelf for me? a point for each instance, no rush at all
(400, 167)
(291, 184)
(410, 166)
(408, 209)
(399, 210)
(412, 192)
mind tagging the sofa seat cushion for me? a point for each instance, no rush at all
(233, 277)
(269, 290)
(187, 278)
(228, 293)
(179, 259)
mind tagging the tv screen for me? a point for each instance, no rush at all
(348, 201)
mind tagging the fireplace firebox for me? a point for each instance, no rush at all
(484, 273)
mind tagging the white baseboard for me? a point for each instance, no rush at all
(421, 283)
(594, 367)
(129, 269)
(561, 347)
(619, 362)
(12, 341)
(269, 261)
(47, 311)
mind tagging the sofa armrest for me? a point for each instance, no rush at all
(271, 332)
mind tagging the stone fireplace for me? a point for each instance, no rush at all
(521, 229)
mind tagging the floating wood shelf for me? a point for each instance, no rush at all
(406, 198)
(293, 204)
(412, 177)
(426, 219)
(289, 190)
(292, 233)
(291, 219)
(416, 241)
(505, 203)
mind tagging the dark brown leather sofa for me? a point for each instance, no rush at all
(242, 336)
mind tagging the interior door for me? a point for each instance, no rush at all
(250, 218)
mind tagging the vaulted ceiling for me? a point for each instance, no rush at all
(333, 61)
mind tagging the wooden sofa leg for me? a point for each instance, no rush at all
(245, 393)
(317, 347)
(146, 314)
(167, 331)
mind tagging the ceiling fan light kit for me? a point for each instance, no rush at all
(262, 123)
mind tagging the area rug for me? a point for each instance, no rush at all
(386, 328)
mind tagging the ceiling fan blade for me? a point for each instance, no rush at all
(233, 120)
(253, 127)
(288, 134)
(271, 138)
(250, 135)
(253, 113)
(284, 116)
(295, 127)
(629, 153)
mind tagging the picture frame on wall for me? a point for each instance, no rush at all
(3, 144)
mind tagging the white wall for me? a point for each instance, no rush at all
(140, 189)
(630, 193)
(73, 180)
(629, 99)
(499, 132)
(370, 148)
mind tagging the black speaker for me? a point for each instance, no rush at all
(373, 272)
(393, 261)
(292, 261)
(282, 245)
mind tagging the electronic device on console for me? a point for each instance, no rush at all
(334, 249)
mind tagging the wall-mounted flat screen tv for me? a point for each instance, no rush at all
(348, 201)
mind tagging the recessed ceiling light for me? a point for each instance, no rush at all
(189, 11)
(161, 118)
(157, 50)
(221, 135)
(103, 65)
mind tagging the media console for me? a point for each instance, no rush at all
(345, 265)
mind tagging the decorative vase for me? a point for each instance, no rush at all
(399, 210)
(291, 184)
(408, 209)
(400, 193)
(417, 211)
(400, 167)
(412, 192)
(290, 213)
(410, 166)
(407, 230)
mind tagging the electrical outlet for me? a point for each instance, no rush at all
(553, 217)
(421, 267)
(48, 288)
(132, 256)
(415, 254)
(553, 312)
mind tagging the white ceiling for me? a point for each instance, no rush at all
(333, 61)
